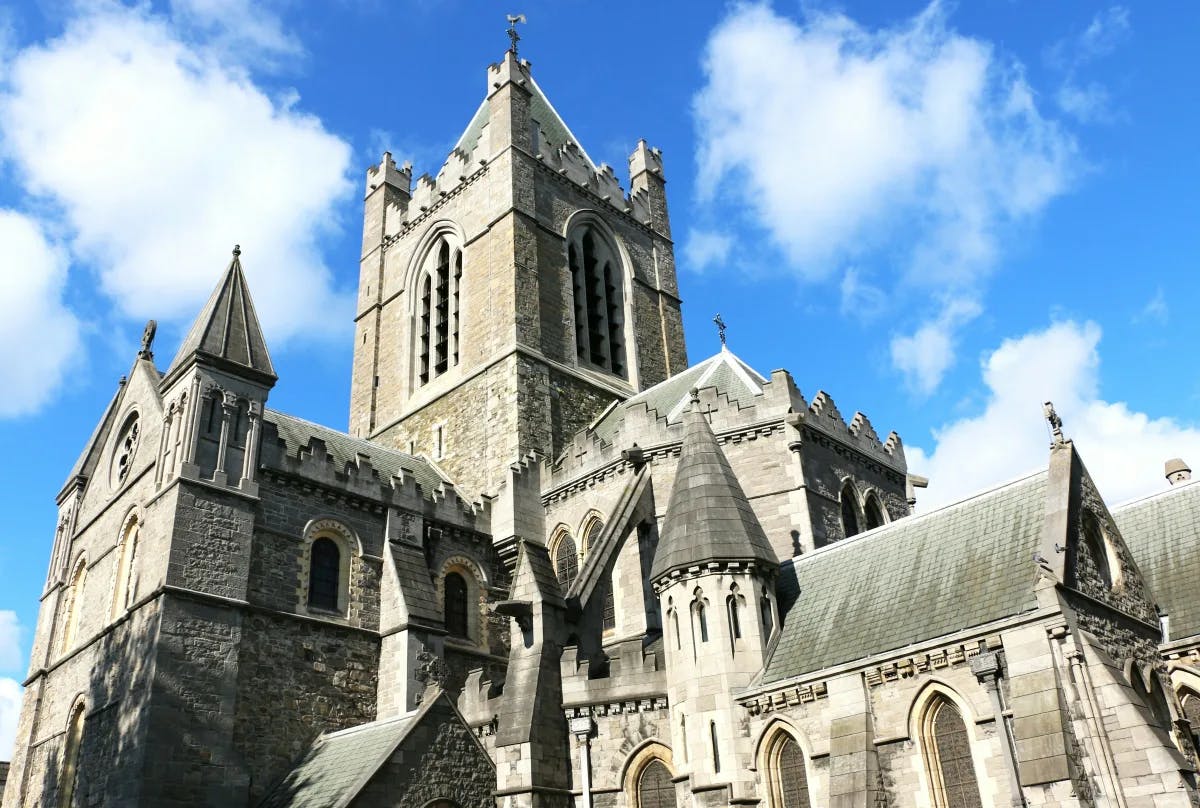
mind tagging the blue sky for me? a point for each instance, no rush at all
(941, 214)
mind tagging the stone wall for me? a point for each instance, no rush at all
(297, 679)
(439, 759)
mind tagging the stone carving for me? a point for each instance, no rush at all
(148, 339)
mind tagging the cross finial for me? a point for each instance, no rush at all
(513, 36)
(237, 250)
(1055, 422)
(720, 328)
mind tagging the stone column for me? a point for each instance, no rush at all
(228, 408)
(191, 431)
(250, 458)
(581, 728)
(986, 668)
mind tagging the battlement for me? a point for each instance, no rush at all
(824, 416)
(386, 173)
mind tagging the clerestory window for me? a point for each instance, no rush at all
(598, 285)
(438, 317)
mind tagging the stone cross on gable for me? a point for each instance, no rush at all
(513, 36)
(720, 328)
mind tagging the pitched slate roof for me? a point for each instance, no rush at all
(1163, 533)
(708, 517)
(917, 578)
(554, 128)
(337, 766)
(227, 329)
(296, 433)
(724, 371)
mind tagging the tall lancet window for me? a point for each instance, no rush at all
(438, 317)
(598, 283)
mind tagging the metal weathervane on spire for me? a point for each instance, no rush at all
(513, 36)
(720, 328)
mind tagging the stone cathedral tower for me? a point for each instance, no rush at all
(506, 302)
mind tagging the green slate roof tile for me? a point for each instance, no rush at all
(339, 764)
(708, 517)
(1163, 533)
(296, 433)
(724, 371)
(915, 579)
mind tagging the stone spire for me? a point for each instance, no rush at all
(227, 333)
(708, 516)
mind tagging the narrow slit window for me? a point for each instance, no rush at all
(324, 576)
(455, 604)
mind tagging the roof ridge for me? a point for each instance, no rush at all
(1145, 498)
(906, 521)
(379, 722)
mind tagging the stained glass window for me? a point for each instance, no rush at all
(792, 775)
(953, 750)
(655, 789)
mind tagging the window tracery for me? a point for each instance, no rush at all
(948, 754)
(438, 315)
(124, 450)
(786, 772)
(598, 284)
(566, 560)
(849, 500)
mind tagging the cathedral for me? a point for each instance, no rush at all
(551, 563)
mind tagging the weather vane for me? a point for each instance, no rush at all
(720, 328)
(513, 36)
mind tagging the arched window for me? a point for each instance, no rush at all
(768, 617)
(608, 606)
(70, 759)
(455, 605)
(566, 561)
(1096, 549)
(874, 512)
(438, 318)
(675, 630)
(1190, 701)
(654, 786)
(849, 510)
(324, 575)
(125, 554)
(599, 288)
(73, 596)
(948, 752)
(733, 607)
(787, 775)
(716, 749)
(700, 615)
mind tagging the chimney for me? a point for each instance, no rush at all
(1177, 471)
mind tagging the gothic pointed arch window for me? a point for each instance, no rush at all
(566, 560)
(947, 747)
(69, 770)
(438, 324)
(849, 502)
(1189, 700)
(654, 786)
(598, 286)
(73, 598)
(873, 512)
(786, 772)
(1095, 551)
(126, 549)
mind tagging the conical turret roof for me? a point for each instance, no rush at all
(708, 516)
(227, 331)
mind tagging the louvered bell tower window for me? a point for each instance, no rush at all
(599, 291)
(437, 325)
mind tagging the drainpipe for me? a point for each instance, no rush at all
(581, 727)
(988, 670)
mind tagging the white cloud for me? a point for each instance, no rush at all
(916, 140)
(10, 641)
(10, 711)
(159, 156)
(925, 355)
(41, 334)
(239, 30)
(1124, 449)
(705, 248)
(1156, 310)
(1089, 102)
(861, 298)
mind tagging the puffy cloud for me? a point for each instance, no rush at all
(925, 355)
(705, 248)
(10, 711)
(1124, 449)
(244, 32)
(10, 641)
(159, 156)
(841, 140)
(41, 334)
